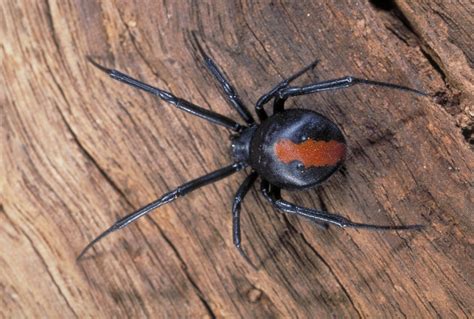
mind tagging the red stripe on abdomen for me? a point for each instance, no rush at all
(310, 152)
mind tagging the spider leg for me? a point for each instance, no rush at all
(264, 99)
(170, 98)
(341, 83)
(226, 86)
(276, 193)
(239, 197)
(317, 216)
(167, 198)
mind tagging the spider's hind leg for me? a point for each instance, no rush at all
(340, 83)
(264, 99)
(272, 194)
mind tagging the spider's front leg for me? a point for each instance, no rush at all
(264, 99)
(179, 103)
(182, 190)
(272, 194)
(229, 90)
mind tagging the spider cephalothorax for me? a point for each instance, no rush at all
(291, 149)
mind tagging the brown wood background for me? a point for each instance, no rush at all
(80, 150)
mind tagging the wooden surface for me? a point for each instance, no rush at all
(80, 150)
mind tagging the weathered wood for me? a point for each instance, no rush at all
(446, 30)
(80, 150)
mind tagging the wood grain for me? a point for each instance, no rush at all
(80, 150)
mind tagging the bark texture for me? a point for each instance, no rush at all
(79, 150)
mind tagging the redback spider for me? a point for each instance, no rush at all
(291, 149)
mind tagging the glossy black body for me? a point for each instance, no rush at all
(240, 144)
(253, 145)
(297, 125)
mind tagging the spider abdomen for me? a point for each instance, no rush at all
(297, 149)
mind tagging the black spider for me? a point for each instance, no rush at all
(291, 149)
